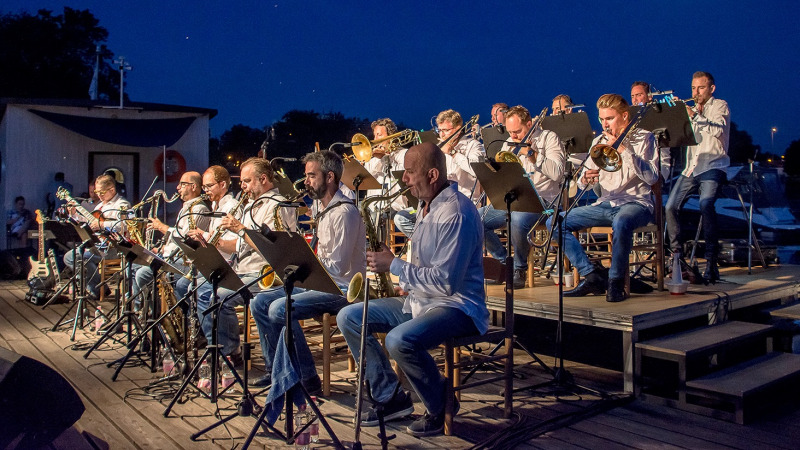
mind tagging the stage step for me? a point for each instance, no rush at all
(731, 393)
(788, 312)
(663, 365)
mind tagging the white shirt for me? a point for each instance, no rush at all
(639, 171)
(341, 245)
(712, 130)
(224, 205)
(109, 212)
(547, 171)
(466, 151)
(446, 268)
(377, 168)
(187, 219)
(258, 212)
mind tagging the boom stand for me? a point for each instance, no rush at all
(299, 266)
(216, 270)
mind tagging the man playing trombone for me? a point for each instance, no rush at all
(543, 157)
(625, 203)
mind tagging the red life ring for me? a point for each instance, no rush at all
(175, 166)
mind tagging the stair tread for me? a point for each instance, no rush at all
(789, 312)
(704, 338)
(742, 379)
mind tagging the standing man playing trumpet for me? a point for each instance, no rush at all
(257, 180)
(445, 297)
(706, 163)
(341, 250)
(544, 158)
(625, 204)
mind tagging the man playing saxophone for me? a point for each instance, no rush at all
(257, 180)
(445, 296)
(340, 249)
(544, 159)
(191, 215)
(625, 204)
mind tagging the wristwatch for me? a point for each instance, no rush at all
(241, 232)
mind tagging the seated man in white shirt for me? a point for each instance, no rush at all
(445, 297)
(625, 204)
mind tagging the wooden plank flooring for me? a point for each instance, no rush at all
(121, 415)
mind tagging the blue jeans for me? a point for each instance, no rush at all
(269, 310)
(708, 184)
(228, 323)
(405, 220)
(407, 341)
(90, 262)
(623, 220)
(521, 223)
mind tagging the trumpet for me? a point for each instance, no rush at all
(513, 155)
(606, 156)
(363, 148)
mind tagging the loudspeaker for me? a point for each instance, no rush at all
(36, 403)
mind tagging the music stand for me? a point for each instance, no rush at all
(210, 263)
(493, 139)
(288, 253)
(573, 130)
(412, 201)
(357, 178)
(429, 136)
(670, 124)
(68, 238)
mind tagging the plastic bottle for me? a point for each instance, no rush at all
(302, 440)
(99, 319)
(167, 364)
(313, 429)
(227, 377)
(204, 377)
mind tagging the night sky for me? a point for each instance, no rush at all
(256, 60)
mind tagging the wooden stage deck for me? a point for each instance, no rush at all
(122, 414)
(641, 312)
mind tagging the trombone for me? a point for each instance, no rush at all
(513, 154)
(467, 126)
(606, 156)
(363, 148)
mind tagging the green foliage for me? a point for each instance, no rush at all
(53, 56)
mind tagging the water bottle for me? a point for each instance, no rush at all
(167, 364)
(302, 440)
(204, 377)
(313, 429)
(227, 376)
(99, 320)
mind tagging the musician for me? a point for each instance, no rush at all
(216, 182)
(341, 250)
(625, 204)
(706, 164)
(544, 161)
(562, 104)
(19, 221)
(257, 179)
(499, 114)
(460, 151)
(445, 296)
(640, 95)
(382, 163)
(193, 214)
(107, 211)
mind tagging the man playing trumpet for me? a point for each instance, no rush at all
(625, 203)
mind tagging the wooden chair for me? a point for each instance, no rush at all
(454, 363)
(326, 326)
(109, 267)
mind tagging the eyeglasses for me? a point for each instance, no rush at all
(185, 183)
(445, 130)
(208, 187)
(101, 191)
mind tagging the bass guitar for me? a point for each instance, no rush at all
(41, 274)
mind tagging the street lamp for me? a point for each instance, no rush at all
(123, 66)
(772, 132)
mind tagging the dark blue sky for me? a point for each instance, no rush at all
(255, 60)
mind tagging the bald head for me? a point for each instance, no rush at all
(430, 157)
(190, 185)
(426, 171)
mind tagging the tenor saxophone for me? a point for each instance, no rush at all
(173, 323)
(384, 286)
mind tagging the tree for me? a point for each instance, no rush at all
(741, 147)
(791, 162)
(235, 146)
(53, 56)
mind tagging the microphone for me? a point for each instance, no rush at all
(211, 214)
(281, 158)
(661, 92)
(295, 204)
(350, 144)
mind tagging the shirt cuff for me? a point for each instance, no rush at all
(396, 267)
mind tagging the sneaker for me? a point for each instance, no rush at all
(427, 425)
(237, 360)
(398, 407)
(520, 276)
(260, 382)
(313, 385)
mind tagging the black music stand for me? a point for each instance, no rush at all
(67, 237)
(144, 257)
(289, 254)
(429, 136)
(87, 239)
(670, 124)
(209, 262)
(507, 183)
(493, 139)
(357, 178)
(573, 129)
